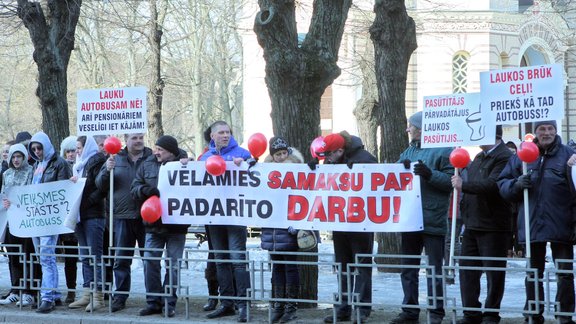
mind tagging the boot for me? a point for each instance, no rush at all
(83, 301)
(277, 307)
(97, 302)
(70, 297)
(212, 291)
(290, 308)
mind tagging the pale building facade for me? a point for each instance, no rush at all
(457, 39)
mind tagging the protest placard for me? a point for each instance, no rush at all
(112, 111)
(41, 209)
(455, 120)
(525, 94)
(368, 197)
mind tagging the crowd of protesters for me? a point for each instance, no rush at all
(491, 191)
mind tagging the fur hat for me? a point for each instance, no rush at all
(416, 120)
(277, 143)
(168, 143)
(544, 122)
(68, 144)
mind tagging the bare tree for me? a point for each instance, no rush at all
(51, 25)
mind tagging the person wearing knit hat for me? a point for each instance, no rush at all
(416, 120)
(159, 236)
(537, 124)
(279, 149)
(548, 186)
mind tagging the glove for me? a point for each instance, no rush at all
(406, 163)
(350, 164)
(422, 170)
(292, 230)
(523, 182)
(312, 164)
(251, 162)
(149, 191)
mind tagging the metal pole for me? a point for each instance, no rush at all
(111, 212)
(526, 214)
(453, 228)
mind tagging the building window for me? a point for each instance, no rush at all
(460, 72)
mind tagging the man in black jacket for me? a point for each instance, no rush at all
(128, 227)
(342, 148)
(488, 230)
(168, 237)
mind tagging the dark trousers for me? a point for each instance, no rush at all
(483, 244)
(233, 278)
(284, 274)
(70, 262)
(565, 281)
(412, 244)
(346, 246)
(127, 232)
(18, 277)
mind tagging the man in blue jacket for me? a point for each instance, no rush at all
(551, 213)
(232, 277)
(435, 172)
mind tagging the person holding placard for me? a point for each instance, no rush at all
(552, 215)
(49, 167)
(487, 230)
(232, 277)
(343, 148)
(434, 168)
(169, 237)
(128, 226)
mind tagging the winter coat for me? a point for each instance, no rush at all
(147, 176)
(482, 207)
(17, 177)
(228, 153)
(280, 239)
(551, 199)
(55, 167)
(436, 191)
(124, 173)
(93, 200)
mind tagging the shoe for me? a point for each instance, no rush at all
(171, 312)
(58, 302)
(403, 318)
(363, 319)
(45, 307)
(27, 300)
(150, 311)
(221, 312)
(210, 305)
(118, 305)
(70, 297)
(535, 319)
(436, 319)
(12, 298)
(339, 318)
(242, 315)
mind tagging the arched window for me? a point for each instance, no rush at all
(460, 72)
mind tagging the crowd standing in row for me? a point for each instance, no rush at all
(492, 188)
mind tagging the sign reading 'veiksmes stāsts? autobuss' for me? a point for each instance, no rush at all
(456, 120)
(112, 111)
(522, 95)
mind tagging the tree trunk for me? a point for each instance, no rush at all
(296, 76)
(52, 35)
(367, 111)
(394, 36)
(156, 91)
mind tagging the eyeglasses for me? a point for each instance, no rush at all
(36, 148)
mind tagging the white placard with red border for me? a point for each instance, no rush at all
(366, 198)
(521, 95)
(112, 111)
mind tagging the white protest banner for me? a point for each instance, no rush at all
(455, 120)
(368, 197)
(40, 209)
(524, 94)
(112, 111)
(3, 223)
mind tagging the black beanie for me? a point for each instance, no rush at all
(277, 144)
(168, 143)
(22, 136)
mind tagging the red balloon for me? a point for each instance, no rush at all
(257, 144)
(215, 165)
(528, 152)
(112, 145)
(459, 158)
(316, 146)
(151, 209)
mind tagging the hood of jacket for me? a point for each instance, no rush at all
(294, 156)
(17, 148)
(90, 149)
(47, 146)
